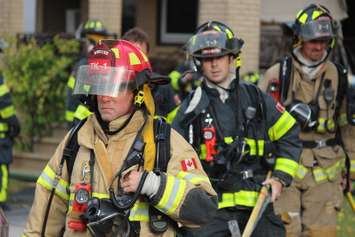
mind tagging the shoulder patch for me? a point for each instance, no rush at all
(188, 164)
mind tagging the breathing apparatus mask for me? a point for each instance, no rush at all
(306, 115)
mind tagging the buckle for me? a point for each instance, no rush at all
(246, 174)
(320, 144)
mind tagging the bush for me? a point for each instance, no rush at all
(37, 77)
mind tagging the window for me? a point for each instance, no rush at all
(178, 20)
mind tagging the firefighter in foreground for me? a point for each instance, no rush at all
(125, 180)
(240, 134)
(314, 91)
(90, 33)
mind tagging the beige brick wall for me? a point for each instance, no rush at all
(243, 16)
(109, 12)
(11, 16)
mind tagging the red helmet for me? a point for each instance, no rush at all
(112, 68)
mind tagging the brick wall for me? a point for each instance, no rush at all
(109, 12)
(11, 16)
(243, 16)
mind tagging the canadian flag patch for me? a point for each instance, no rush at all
(279, 107)
(188, 164)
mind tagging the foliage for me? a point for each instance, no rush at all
(37, 77)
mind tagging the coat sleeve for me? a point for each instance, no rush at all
(185, 193)
(283, 131)
(58, 208)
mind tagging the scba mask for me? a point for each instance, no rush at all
(103, 218)
(306, 115)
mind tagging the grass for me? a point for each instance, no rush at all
(346, 221)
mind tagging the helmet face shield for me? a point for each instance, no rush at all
(104, 80)
(320, 29)
(212, 44)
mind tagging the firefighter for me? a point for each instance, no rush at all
(9, 129)
(90, 33)
(313, 89)
(164, 96)
(117, 178)
(240, 134)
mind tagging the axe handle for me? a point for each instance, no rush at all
(264, 192)
(351, 201)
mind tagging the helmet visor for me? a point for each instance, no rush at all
(211, 44)
(103, 80)
(321, 29)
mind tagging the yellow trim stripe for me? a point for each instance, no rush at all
(281, 127)
(286, 165)
(71, 82)
(3, 90)
(7, 112)
(193, 178)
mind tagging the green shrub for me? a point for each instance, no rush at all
(37, 77)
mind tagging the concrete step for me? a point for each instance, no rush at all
(46, 145)
(30, 163)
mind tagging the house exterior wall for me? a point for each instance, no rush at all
(11, 16)
(109, 12)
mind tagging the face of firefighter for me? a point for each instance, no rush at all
(314, 49)
(216, 69)
(112, 108)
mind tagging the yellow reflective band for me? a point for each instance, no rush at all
(193, 178)
(229, 33)
(3, 90)
(301, 171)
(319, 175)
(252, 146)
(175, 76)
(334, 170)
(324, 124)
(69, 116)
(173, 194)
(7, 112)
(228, 140)
(217, 28)
(4, 127)
(145, 58)
(71, 82)
(303, 18)
(342, 120)
(299, 13)
(203, 152)
(241, 198)
(47, 178)
(82, 112)
(100, 195)
(4, 182)
(238, 62)
(99, 25)
(316, 14)
(2, 135)
(352, 166)
(171, 115)
(286, 165)
(281, 127)
(133, 59)
(139, 211)
(116, 52)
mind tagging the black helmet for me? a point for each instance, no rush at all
(94, 27)
(214, 39)
(314, 22)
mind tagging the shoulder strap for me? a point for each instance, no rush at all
(162, 141)
(257, 100)
(342, 86)
(284, 77)
(71, 147)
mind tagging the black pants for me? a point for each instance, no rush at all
(269, 225)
